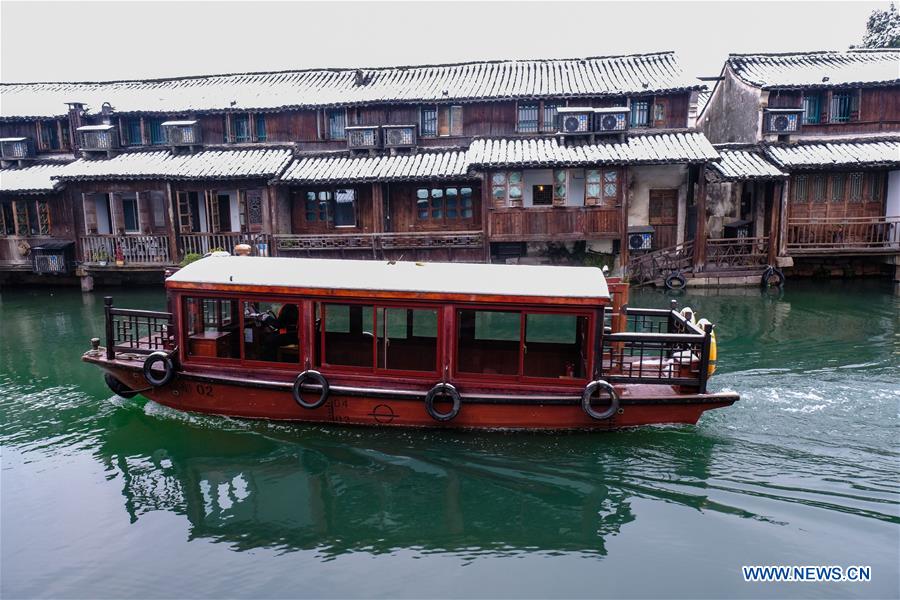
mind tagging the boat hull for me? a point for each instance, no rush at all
(273, 400)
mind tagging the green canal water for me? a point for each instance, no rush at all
(105, 497)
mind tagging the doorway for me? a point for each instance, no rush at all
(664, 217)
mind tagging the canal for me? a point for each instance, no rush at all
(101, 496)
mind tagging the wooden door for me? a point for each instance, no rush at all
(664, 217)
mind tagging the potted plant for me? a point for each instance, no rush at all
(120, 256)
(101, 257)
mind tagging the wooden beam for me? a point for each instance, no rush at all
(486, 207)
(174, 226)
(700, 234)
(783, 217)
(773, 201)
(623, 226)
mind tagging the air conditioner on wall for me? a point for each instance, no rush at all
(611, 120)
(782, 121)
(574, 120)
(640, 238)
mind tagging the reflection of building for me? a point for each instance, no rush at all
(338, 493)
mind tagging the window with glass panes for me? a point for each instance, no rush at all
(240, 128)
(336, 123)
(261, 135)
(527, 121)
(50, 135)
(25, 218)
(335, 207)
(130, 218)
(133, 133)
(640, 113)
(811, 109)
(157, 132)
(428, 121)
(841, 107)
(449, 203)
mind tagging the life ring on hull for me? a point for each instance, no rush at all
(443, 389)
(675, 281)
(773, 277)
(310, 376)
(118, 388)
(588, 393)
(153, 377)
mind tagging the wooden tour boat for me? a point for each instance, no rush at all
(410, 344)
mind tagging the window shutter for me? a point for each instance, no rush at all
(443, 120)
(212, 211)
(145, 210)
(118, 213)
(254, 210)
(90, 214)
(43, 212)
(185, 218)
(456, 120)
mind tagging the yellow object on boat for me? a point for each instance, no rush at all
(713, 350)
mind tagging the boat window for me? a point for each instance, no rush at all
(349, 337)
(407, 339)
(212, 325)
(271, 332)
(555, 346)
(488, 341)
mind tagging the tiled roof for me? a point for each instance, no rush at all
(344, 168)
(209, 164)
(742, 164)
(818, 69)
(851, 153)
(682, 147)
(473, 81)
(35, 179)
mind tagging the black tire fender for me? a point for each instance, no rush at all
(168, 369)
(118, 388)
(773, 273)
(443, 389)
(589, 391)
(310, 376)
(672, 279)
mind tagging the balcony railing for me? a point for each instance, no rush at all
(135, 249)
(201, 243)
(736, 254)
(567, 223)
(375, 242)
(137, 331)
(843, 235)
(658, 264)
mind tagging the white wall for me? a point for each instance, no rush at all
(532, 178)
(892, 208)
(644, 179)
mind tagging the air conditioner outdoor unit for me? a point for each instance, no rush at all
(182, 133)
(399, 136)
(611, 120)
(782, 121)
(574, 120)
(363, 137)
(98, 138)
(640, 238)
(16, 148)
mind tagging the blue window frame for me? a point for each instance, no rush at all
(640, 113)
(240, 128)
(261, 127)
(157, 134)
(133, 135)
(811, 109)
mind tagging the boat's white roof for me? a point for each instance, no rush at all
(383, 276)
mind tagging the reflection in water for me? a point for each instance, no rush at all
(808, 458)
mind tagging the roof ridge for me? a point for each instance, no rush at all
(343, 69)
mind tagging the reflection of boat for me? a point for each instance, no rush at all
(336, 492)
(457, 345)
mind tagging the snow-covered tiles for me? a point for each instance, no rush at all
(854, 153)
(738, 164)
(822, 69)
(486, 80)
(445, 164)
(209, 164)
(34, 179)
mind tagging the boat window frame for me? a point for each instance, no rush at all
(520, 377)
(186, 358)
(317, 359)
(302, 350)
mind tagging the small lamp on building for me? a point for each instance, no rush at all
(242, 250)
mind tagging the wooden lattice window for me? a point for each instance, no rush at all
(43, 214)
(527, 121)
(801, 190)
(838, 187)
(640, 113)
(856, 187)
(444, 203)
(261, 134)
(336, 121)
(157, 132)
(811, 109)
(428, 121)
(876, 187)
(818, 188)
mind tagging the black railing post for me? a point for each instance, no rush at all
(704, 356)
(110, 338)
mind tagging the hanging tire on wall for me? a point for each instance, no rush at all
(599, 386)
(675, 281)
(310, 376)
(118, 388)
(773, 277)
(438, 391)
(152, 376)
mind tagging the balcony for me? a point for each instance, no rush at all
(554, 224)
(843, 236)
(201, 243)
(736, 254)
(136, 250)
(378, 243)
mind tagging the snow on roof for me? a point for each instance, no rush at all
(446, 164)
(471, 81)
(162, 164)
(467, 279)
(680, 147)
(849, 153)
(35, 179)
(179, 123)
(101, 127)
(740, 164)
(826, 69)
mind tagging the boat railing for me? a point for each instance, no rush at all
(658, 346)
(137, 331)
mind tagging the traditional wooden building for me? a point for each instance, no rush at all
(829, 123)
(532, 160)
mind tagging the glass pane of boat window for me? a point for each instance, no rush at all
(349, 335)
(555, 346)
(406, 347)
(211, 328)
(271, 332)
(488, 342)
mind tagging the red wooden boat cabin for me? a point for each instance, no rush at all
(411, 344)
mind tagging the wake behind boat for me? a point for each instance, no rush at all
(411, 344)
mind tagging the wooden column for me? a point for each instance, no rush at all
(700, 234)
(623, 225)
(174, 225)
(377, 219)
(773, 203)
(783, 217)
(486, 207)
